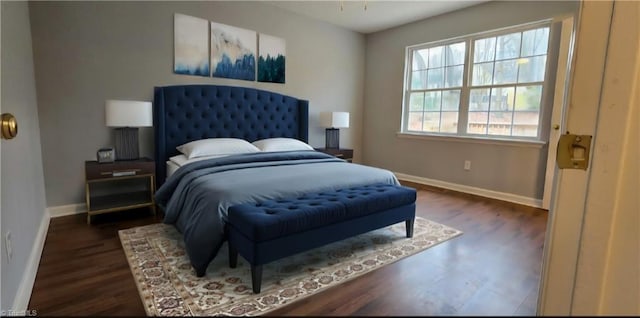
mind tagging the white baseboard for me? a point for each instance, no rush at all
(23, 294)
(509, 197)
(63, 210)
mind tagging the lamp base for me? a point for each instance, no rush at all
(332, 138)
(126, 143)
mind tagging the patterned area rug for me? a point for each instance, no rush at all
(168, 285)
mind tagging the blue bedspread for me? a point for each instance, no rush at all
(196, 197)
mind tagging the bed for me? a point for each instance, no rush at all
(196, 196)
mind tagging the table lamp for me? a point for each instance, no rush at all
(333, 121)
(126, 116)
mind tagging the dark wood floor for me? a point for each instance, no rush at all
(492, 269)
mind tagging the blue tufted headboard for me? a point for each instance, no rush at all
(184, 113)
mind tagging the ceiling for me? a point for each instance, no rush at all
(379, 15)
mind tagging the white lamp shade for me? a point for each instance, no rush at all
(128, 113)
(334, 119)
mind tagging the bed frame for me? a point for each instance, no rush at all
(184, 113)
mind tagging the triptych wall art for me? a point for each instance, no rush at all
(214, 49)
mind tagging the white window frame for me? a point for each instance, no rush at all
(463, 112)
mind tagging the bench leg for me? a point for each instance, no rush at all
(233, 256)
(256, 278)
(409, 225)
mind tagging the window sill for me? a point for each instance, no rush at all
(475, 140)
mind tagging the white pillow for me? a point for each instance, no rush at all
(216, 147)
(281, 144)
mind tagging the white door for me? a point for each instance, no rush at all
(559, 101)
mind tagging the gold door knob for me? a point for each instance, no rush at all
(9, 126)
(556, 127)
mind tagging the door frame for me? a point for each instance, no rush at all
(570, 187)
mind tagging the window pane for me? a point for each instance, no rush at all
(528, 97)
(435, 78)
(455, 53)
(542, 41)
(415, 121)
(432, 101)
(436, 57)
(534, 42)
(482, 74)
(526, 118)
(500, 118)
(451, 100)
(525, 124)
(506, 72)
(532, 69)
(501, 99)
(508, 46)
(499, 130)
(431, 122)
(484, 50)
(453, 76)
(419, 80)
(499, 123)
(420, 59)
(416, 102)
(479, 99)
(449, 122)
(477, 122)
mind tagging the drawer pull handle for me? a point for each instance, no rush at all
(124, 173)
(121, 173)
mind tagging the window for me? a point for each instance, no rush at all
(487, 85)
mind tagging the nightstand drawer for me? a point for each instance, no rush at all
(95, 170)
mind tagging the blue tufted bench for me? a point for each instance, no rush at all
(269, 230)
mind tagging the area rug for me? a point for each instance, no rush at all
(168, 286)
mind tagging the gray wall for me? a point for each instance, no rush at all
(23, 199)
(87, 52)
(509, 169)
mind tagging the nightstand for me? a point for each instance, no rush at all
(119, 185)
(346, 154)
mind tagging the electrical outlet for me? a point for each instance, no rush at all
(8, 245)
(467, 165)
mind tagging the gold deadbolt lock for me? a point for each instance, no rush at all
(573, 151)
(9, 126)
